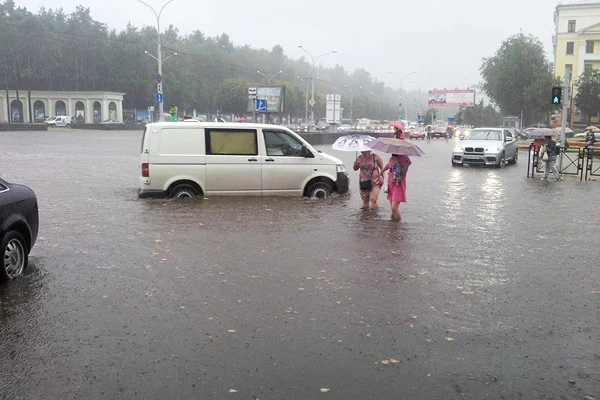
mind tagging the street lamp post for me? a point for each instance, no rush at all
(400, 114)
(352, 101)
(158, 57)
(306, 81)
(314, 63)
(269, 77)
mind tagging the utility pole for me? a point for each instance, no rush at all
(306, 82)
(563, 122)
(314, 64)
(158, 58)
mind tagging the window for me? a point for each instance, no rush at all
(571, 27)
(3, 188)
(508, 135)
(181, 142)
(232, 142)
(281, 143)
(570, 47)
(589, 46)
(588, 68)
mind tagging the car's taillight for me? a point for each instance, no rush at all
(145, 170)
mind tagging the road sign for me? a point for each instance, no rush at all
(159, 97)
(556, 95)
(311, 109)
(420, 118)
(159, 88)
(261, 105)
(158, 78)
(251, 91)
(312, 102)
(151, 108)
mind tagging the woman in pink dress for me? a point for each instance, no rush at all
(398, 167)
(370, 166)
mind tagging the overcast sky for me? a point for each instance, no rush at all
(443, 40)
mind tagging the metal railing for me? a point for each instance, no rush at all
(592, 167)
(570, 161)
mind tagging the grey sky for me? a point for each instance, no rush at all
(443, 40)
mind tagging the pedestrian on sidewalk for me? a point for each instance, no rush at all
(370, 180)
(398, 134)
(398, 167)
(549, 158)
(174, 111)
(590, 140)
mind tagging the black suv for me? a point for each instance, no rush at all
(19, 222)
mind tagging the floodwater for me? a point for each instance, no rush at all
(488, 289)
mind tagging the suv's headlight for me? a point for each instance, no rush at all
(458, 149)
(340, 168)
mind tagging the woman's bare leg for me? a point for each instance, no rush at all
(375, 196)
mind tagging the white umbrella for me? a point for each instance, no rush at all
(353, 143)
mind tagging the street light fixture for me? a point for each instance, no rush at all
(314, 63)
(269, 77)
(158, 57)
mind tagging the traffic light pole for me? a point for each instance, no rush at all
(563, 119)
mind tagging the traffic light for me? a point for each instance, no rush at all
(556, 95)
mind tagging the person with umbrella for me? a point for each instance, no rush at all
(370, 180)
(398, 167)
(590, 138)
(398, 130)
(549, 158)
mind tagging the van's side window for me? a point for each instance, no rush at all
(231, 142)
(282, 144)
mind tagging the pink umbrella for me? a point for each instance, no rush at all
(397, 125)
(395, 146)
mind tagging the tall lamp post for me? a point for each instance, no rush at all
(400, 114)
(269, 77)
(352, 101)
(306, 81)
(158, 57)
(314, 63)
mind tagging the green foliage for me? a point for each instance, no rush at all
(518, 78)
(53, 50)
(479, 115)
(587, 98)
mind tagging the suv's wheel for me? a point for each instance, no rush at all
(320, 190)
(15, 256)
(68, 125)
(502, 162)
(183, 191)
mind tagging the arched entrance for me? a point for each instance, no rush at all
(61, 108)
(39, 111)
(112, 111)
(79, 112)
(16, 111)
(97, 112)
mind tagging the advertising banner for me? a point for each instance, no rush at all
(451, 98)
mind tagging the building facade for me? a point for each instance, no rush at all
(84, 107)
(576, 37)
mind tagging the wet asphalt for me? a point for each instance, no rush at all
(488, 289)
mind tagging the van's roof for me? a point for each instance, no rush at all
(198, 124)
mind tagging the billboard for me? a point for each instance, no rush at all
(451, 98)
(275, 96)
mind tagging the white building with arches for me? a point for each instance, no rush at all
(84, 107)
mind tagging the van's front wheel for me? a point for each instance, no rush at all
(320, 190)
(183, 191)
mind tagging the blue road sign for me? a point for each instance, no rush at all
(420, 118)
(311, 108)
(159, 97)
(261, 105)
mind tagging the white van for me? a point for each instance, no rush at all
(59, 120)
(192, 158)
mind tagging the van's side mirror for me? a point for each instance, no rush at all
(306, 153)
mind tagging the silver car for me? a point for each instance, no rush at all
(486, 146)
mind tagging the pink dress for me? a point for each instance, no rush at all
(369, 171)
(397, 190)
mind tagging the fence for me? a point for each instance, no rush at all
(570, 161)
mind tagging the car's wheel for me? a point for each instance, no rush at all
(454, 164)
(53, 125)
(15, 256)
(320, 190)
(68, 125)
(183, 191)
(502, 162)
(515, 158)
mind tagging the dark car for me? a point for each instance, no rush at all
(439, 132)
(19, 222)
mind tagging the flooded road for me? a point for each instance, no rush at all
(489, 288)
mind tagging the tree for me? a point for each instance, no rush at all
(518, 78)
(232, 96)
(588, 93)
(479, 115)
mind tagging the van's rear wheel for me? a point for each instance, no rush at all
(320, 190)
(183, 191)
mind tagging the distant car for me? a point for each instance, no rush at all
(518, 134)
(416, 135)
(111, 121)
(59, 120)
(345, 127)
(486, 146)
(582, 135)
(439, 132)
(19, 222)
